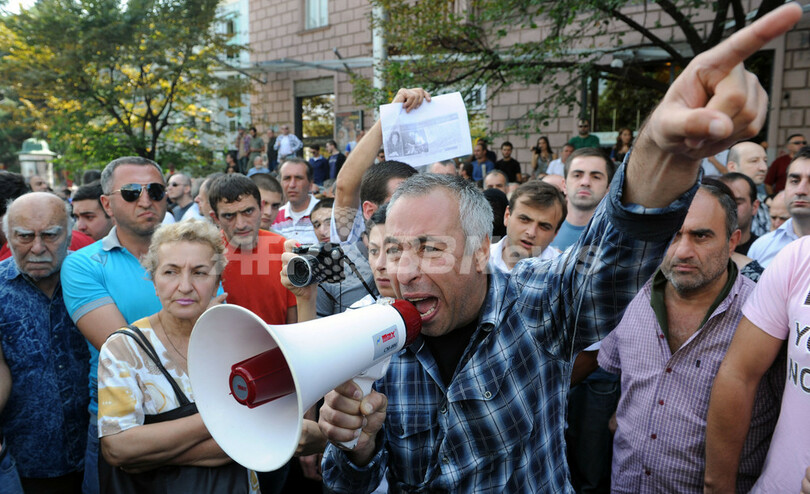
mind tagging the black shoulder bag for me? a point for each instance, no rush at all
(231, 478)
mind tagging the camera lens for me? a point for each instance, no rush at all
(300, 269)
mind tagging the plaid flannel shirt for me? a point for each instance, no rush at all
(498, 426)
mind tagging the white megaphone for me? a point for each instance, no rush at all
(252, 382)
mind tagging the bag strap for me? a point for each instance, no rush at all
(142, 341)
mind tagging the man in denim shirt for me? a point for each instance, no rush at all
(476, 403)
(45, 418)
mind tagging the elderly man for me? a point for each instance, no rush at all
(45, 417)
(179, 191)
(667, 348)
(778, 211)
(477, 402)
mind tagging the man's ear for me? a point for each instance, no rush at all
(369, 208)
(482, 255)
(755, 207)
(506, 216)
(734, 240)
(731, 166)
(213, 216)
(105, 204)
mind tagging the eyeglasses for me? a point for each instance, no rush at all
(799, 143)
(131, 192)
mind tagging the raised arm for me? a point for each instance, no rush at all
(710, 106)
(347, 183)
(750, 355)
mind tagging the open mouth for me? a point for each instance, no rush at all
(425, 305)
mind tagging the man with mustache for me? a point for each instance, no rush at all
(668, 347)
(43, 389)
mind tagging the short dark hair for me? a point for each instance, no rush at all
(325, 203)
(803, 153)
(332, 142)
(254, 129)
(539, 194)
(731, 177)
(725, 197)
(12, 186)
(300, 161)
(89, 192)
(498, 202)
(90, 176)
(610, 167)
(374, 185)
(265, 181)
(231, 188)
(314, 146)
(109, 171)
(791, 136)
(507, 143)
(378, 218)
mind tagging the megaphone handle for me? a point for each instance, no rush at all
(365, 380)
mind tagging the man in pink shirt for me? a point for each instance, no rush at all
(777, 313)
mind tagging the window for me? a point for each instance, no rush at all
(317, 13)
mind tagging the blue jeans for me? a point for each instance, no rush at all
(588, 439)
(90, 482)
(9, 479)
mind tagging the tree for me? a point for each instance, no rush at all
(108, 77)
(563, 44)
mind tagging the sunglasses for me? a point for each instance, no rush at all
(131, 192)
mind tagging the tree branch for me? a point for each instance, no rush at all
(689, 31)
(655, 40)
(719, 23)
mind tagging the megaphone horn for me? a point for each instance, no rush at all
(252, 382)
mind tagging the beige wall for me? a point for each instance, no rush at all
(276, 31)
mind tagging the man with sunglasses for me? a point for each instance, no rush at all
(179, 191)
(105, 287)
(585, 139)
(777, 173)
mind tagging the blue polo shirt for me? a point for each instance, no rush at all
(45, 418)
(106, 273)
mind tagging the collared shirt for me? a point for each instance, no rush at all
(45, 418)
(659, 444)
(496, 255)
(477, 173)
(761, 223)
(767, 246)
(101, 274)
(296, 225)
(287, 145)
(498, 426)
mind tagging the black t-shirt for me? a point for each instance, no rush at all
(743, 248)
(448, 349)
(511, 168)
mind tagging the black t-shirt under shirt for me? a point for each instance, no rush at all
(448, 348)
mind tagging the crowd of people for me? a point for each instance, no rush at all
(612, 320)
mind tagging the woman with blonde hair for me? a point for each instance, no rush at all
(152, 438)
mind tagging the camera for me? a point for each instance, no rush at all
(316, 263)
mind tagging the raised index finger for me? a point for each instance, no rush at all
(748, 41)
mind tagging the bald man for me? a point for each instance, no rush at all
(749, 159)
(444, 167)
(47, 429)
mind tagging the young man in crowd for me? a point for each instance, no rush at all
(535, 213)
(293, 219)
(588, 173)
(90, 217)
(745, 194)
(509, 165)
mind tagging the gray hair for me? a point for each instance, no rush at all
(109, 170)
(474, 211)
(193, 230)
(68, 216)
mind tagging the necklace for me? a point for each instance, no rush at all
(163, 327)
